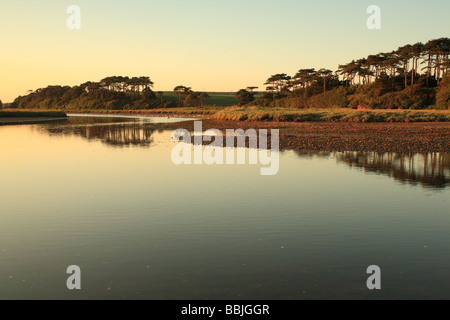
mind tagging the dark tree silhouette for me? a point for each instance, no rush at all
(244, 97)
(201, 96)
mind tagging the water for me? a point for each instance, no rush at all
(103, 194)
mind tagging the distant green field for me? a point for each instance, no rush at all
(222, 99)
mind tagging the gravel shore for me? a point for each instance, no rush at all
(345, 136)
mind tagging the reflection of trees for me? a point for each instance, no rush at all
(121, 135)
(110, 131)
(428, 169)
(312, 154)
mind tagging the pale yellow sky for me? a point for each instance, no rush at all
(207, 45)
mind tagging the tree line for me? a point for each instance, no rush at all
(411, 77)
(424, 67)
(188, 97)
(406, 62)
(110, 93)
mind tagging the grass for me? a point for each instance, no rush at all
(345, 115)
(31, 114)
(256, 113)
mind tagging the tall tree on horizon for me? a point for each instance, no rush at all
(201, 96)
(325, 75)
(180, 90)
(416, 51)
(405, 54)
(305, 78)
(278, 82)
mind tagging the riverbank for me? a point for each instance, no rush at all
(343, 136)
(264, 114)
(27, 117)
(26, 120)
(143, 114)
(350, 130)
(256, 113)
(328, 135)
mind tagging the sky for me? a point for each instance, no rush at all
(208, 45)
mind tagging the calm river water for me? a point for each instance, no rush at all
(103, 194)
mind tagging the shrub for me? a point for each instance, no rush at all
(443, 95)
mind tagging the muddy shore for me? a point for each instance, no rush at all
(27, 120)
(416, 137)
(344, 136)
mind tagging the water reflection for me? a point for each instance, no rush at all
(111, 131)
(144, 228)
(430, 170)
